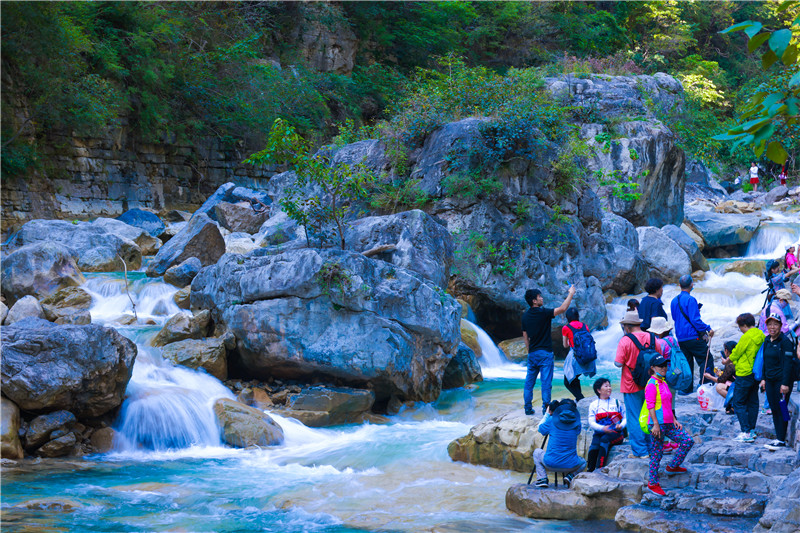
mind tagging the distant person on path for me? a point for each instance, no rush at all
(778, 374)
(633, 394)
(782, 176)
(563, 423)
(573, 368)
(692, 333)
(658, 415)
(754, 176)
(651, 305)
(607, 419)
(745, 393)
(536, 323)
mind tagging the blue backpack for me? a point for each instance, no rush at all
(583, 349)
(679, 375)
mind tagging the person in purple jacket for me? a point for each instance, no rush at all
(692, 333)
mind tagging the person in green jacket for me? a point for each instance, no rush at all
(745, 394)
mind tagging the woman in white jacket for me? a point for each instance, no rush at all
(607, 419)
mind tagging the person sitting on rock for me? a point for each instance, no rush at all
(563, 423)
(651, 305)
(658, 417)
(778, 374)
(743, 356)
(573, 369)
(607, 419)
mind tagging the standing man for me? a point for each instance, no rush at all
(651, 305)
(692, 333)
(538, 341)
(633, 394)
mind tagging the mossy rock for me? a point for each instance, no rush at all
(514, 350)
(470, 337)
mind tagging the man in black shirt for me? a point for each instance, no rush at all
(778, 372)
(538, 341)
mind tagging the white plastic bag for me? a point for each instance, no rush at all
(709, 398)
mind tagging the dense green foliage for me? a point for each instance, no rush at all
(179, 70)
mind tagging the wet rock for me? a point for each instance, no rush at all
(720, 229)
(242, 426)
(329, 406)
(261, 399)
(68, 306)
(93, 248)
(200, 238)
(181, 298)
(462, 369)
(59, 447)
(470, 337)
(747, 267)
(208, 354)
(146, 242)
(688, 245)
(145, 220)
(653, 520)
(39, 270)
(240, 217)
(42, 427)
(419, 243)
(10, 447)
(183, 326)
(333, 314)
(83, 369)
(664, 257)
(182, 275)
(514, 349)
(103, 440)
(27, 306)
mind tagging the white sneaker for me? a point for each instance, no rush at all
(775, 445)
(744, 437)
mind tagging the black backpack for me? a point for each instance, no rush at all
(583, 349)
(641, 372)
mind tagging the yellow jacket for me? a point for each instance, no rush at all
(744, 354)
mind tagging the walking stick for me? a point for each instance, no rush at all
(705, 365)
(534, 466)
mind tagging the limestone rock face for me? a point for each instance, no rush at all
(10, 447)
(149, 222)
(242, 426)
(612, 256)
(82, 369)
(208, 354)
(147, 243)
(723, 229)
(182, 275)
(183, 326)
(334, 315)
(200, 238)
(688, 245)
(329, 406)
(92, 247)
(462, 369)
(27, 306)
(239, 217)
(665, 258)
(39, 269)
(419, 243)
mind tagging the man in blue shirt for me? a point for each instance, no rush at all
(692, 333)
(651, 305)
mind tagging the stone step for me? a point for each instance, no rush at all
(752, 456)
(655, 520)
(708, 501)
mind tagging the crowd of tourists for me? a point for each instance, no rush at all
(657, 358)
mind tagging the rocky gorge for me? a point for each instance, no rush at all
(366, 333)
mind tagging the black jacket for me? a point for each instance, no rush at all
(778, 356)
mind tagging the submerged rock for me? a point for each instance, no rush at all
(82, 369)
(242, 426)
(39, 269)
(200, 238)
(665, 258)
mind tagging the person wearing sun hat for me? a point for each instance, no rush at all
(779, 306)
(777, 382)
(791, 257)
(633, 394)
(658, 417)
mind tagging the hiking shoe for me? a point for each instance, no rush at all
(775, 445)
(528, 411)
(744, 437)
(754, 434)
(542, 483)
(568, 480)
(675, 469)
(656, 489)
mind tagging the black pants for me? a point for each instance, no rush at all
(773, 389)
(745, 402)
(574, 387)
(598, 450)
(696, 350)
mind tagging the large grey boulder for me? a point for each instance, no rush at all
(280, 231)
(149, 222)
(147, 243)
(82, 369)
(776, 193)
(723, 229)
(200, 238)
(335, 315)
(370, 152)
(229, 192)
(183, 326)
(612, 256)
(10, 447)
(327, 406)
(27, 306)
(462, 369)
(242, 426)
(39, 269)
(240, 217)
(664, 257)
(182, 275)
(688, 245)
(417, 243)
(208, 354)
(93, 247)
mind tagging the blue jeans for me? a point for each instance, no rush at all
(640, 441)
(538, 361)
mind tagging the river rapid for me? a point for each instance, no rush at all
(169, 471)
